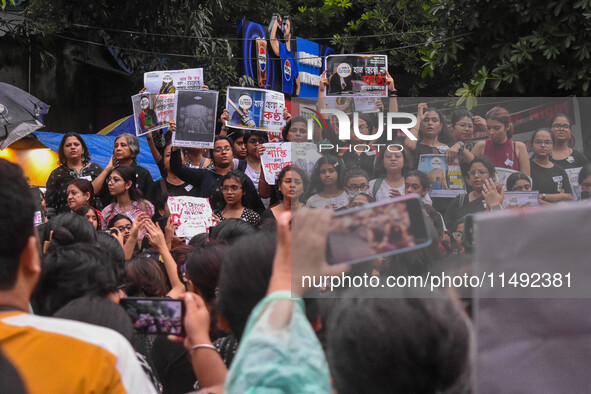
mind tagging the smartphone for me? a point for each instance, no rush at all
(159, 316)
(112, 231)
(585, 195)
(377, 230)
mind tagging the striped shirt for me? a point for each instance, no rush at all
(62, 356)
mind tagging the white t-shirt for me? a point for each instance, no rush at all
(316, 201)
(383, 192)
(255, 178)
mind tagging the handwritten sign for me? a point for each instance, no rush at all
(275, 157)
(193, 215)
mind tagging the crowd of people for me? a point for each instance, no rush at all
(108, 234)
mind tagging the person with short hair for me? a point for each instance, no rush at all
(563, 155)
(51, 355)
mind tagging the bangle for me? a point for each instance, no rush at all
(202, 345)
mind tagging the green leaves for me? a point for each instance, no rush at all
(3, 3)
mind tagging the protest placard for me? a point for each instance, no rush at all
(502, 174)
(197, 114)
(573, 177)
(446, 179)
(171, 81)
(274, 158)
(153, 111)
(521, 199)
(356, 75)
(192, 214)
(305, 155)
(257, 109)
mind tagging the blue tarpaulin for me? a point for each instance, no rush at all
(101, 149)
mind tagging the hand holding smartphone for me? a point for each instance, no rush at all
(158, 316)
(377, 230)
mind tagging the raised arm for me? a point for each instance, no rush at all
(412, 144)
(99, 181)
(273, 39)
(189, 175)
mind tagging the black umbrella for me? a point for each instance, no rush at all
(20, 114)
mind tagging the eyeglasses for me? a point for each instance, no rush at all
(113, 179)
(586, 186)
(354, 187)
(233, 188)
(220, 150)
(255, 141)
(544, 142)
(561, 126)
(466, 125)
(479, 172)
(457, 234)
(123, 228)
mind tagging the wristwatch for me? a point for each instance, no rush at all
(462, 146)
(394, 93)
(497, 207)
(544, 196)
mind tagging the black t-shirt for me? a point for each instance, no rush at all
(184, 189)
(575, 160)
(549, 180)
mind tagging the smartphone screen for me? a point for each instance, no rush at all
(155, 315)
(377, 230)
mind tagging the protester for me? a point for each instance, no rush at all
(500, 148)
(360, 199)
(80, 193)
(390, 169)
(481, 172)
(238, 144)
(291, 183)
(418, 182)
(236, 202)
(518, 182)
(127, 198)
(562, 154)
(548, 178)
(74, 163)
(431, 132)
(462, 131)
(208, 181)
(254, 140)
(91, 214)
(28, 340)
(328, 181)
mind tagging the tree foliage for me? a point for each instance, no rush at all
(436, 47)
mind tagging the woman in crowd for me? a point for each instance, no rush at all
(121, 223)
(361, 153)
(390, 169)
(360, 199)
(328, 183)
(500, 148)
(418, 182)
(356, 182)
(562, 154)
(254, 140)
(431, 132)
(291, 183)
(462, 130)
(125, 151)
(80, 193)
(296, 130)
(548, 178)
(585, 181)
(74, 163)
(127, 198)
(484, 190)
(91, 214)
(236, 201)
(170, 183)
(518, 182)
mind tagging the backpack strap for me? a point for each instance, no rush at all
(376, 186)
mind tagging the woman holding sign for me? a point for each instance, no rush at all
(236, 202)
(431, 132)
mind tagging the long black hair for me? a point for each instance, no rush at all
(62, 156)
